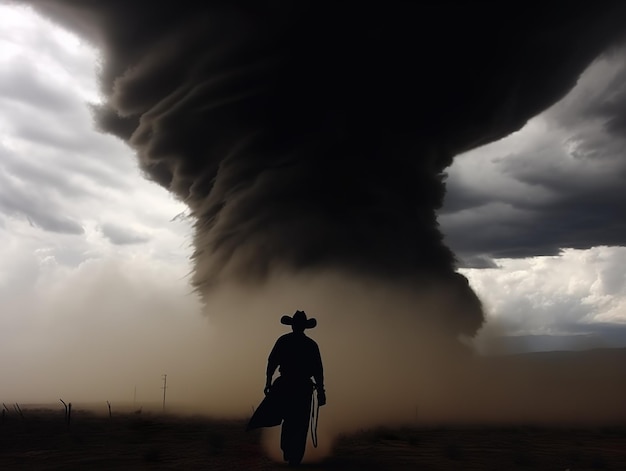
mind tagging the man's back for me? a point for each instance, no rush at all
(297, 356)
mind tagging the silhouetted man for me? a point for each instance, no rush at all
(289, 399)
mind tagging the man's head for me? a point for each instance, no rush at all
(299, 321)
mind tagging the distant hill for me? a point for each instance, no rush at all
(589, 337)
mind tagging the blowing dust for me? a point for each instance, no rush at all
(388, 362)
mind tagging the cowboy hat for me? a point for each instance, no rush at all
(299, 319)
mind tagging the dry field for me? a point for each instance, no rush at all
(40, 440)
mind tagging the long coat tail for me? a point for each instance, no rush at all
(271, 410)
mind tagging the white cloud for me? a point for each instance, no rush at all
(58, 57)
(549, 295)
(58, 172)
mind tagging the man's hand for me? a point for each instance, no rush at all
(321, 397)
(267, 389)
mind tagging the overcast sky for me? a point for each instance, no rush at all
(87, 245)
(79, 225)
(541, 215)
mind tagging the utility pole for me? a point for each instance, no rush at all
(164, 389)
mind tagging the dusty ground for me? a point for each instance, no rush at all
(42, 441)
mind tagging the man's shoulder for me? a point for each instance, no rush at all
(283, 338)
(290, 338)
(298, 338)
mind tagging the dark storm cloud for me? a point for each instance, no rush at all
(477, 261)
(121, 235)
(578, 221)
(572, 178)
(578, 215)
(314, 134)
(606, 103)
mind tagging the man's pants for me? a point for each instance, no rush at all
(297, 414)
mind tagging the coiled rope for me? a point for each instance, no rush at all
(315, 414)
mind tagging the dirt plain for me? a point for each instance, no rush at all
(42, 440)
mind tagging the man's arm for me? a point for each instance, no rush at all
(272, 364)
(318, 376)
